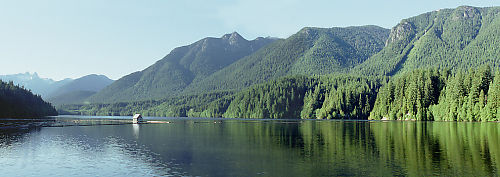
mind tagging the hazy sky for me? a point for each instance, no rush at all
(72, 38)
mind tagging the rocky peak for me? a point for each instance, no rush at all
(466, 12)
(309, 31)
(400, 31)
(233, 38)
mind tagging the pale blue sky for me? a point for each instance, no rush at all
(72, 38)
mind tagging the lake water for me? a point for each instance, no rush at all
(82, 146)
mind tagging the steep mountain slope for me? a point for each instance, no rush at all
(33, 82)
(454, 38)
(79, 89)
(310, 51)
(180, 68)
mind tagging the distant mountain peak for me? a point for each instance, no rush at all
(32, 81)
(231, 35)
(180, 68)
(233, 38)
(96, 76)
(35, 76)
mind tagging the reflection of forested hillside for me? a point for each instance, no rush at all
(204, 147)
(317, 148)
(455, 149)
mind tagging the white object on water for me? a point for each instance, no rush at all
(137, 118)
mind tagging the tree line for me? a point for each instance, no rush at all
(18, 102)
(432, 94)
(421, 94)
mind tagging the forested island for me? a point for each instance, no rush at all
(18, 102)
(440, 65)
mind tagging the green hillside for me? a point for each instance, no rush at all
(311, 51)
(460, 38)
(179, 68)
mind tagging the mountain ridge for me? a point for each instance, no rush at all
(33, 82)
(447, 38)
(79, 89)
(182, 66)
(91, 82)
(310, 51)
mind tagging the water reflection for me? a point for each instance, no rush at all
(250, 148)
(135, 129)
(424, 148)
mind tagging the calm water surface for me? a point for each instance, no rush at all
(222, 147)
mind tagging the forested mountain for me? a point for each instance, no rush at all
(458, 38)
(316, 97)
(79, 89)
(33, 82)
(422, 94)
(310, 51)
(441, 65)
(17, 102)
(181, 67)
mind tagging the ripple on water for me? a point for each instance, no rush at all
(50, 153)
(268, 148)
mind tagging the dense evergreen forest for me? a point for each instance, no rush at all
(317, 97)
(321, 97)
(433, 94)
(17, 102)
(421, 94)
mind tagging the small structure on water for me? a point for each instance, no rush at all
(137, 118)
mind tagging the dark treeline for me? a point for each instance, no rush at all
(17, 102)
(180, 106)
